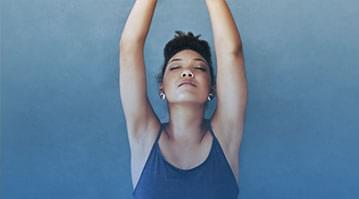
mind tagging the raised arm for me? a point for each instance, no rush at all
(231, 79)
(137, 109)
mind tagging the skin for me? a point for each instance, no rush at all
(185, 143)
(186, 66)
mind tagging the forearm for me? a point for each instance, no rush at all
(138, 23)
(226, 35)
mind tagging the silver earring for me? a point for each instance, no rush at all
(210, 97)
(162, 95)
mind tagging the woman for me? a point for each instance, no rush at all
(189, 156)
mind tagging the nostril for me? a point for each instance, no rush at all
(187, 74)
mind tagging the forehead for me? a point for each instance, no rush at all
(187, 54)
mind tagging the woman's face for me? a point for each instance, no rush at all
(186, 78)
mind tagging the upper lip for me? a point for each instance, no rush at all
(187, 82)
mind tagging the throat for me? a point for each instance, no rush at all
(185, 135)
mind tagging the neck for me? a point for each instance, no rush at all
(186, 122)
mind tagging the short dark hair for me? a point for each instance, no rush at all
(183, 41)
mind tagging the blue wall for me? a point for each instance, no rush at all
(62, 128)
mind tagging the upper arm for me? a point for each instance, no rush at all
(231, 94)
(138, 112)
(231, 80)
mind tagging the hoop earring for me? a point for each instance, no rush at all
(210, 97)
(162, 95)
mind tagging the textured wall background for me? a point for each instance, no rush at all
(62, 128)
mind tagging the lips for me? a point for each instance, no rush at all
(187, 83)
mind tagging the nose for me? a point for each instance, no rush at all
(187, 73)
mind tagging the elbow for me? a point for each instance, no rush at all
(130, 45)
(127, 42)
(236, 50)
(124, 44)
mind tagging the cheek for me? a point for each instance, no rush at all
(167, 80)
(206, 79)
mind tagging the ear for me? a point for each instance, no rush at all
(161, 86)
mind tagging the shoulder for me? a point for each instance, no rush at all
(140, 148)
(228, 132)
(229, 138)
(142, 138)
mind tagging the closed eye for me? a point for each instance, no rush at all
(173, 68)
(200, 68)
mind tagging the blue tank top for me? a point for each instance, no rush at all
(212, 179)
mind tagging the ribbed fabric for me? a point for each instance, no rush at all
(213, 179)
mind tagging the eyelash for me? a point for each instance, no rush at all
(173, 68)
(200, 68)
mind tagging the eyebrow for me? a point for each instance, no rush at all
(196, 59)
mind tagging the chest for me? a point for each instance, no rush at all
(184, 155)
(211, 179)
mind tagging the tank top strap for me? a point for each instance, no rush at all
(219, 150)
(159, 132)
(209, 127)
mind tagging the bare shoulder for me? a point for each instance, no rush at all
(142, 134)
(229, 137)
(228, 133)
(141, 145)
